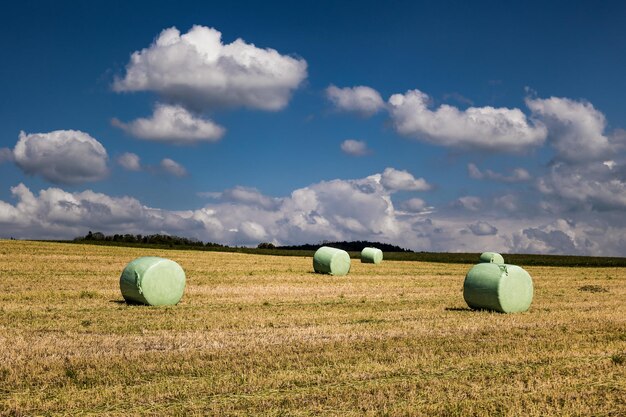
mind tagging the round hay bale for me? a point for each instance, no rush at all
(331, 261)
(503, 288)
(371, 256)
(153, 281)
(491, 257)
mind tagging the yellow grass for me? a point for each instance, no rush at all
(262, 335)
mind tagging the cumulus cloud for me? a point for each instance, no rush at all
(172, 124)
(481, 228)
(517, 174)
(129, 161)
(354, 147)
(483, 128)
(576, 128)
(401, 180)
(360, 99)
(62, 156)
(199, 71)
(172, 167)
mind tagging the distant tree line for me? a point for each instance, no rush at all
(170, 240)
(354, 246)
(156, 239)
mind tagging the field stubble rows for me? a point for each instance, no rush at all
(263, 335)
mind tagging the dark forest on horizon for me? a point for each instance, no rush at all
(391, 252)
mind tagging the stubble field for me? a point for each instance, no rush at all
(263, 335)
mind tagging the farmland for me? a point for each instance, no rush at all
(263, 335)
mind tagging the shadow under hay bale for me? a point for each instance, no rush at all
(592, 288)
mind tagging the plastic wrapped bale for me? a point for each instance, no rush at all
(331, 261)
(153, 281)
(371, 256)
(503, 288)
(491, 257)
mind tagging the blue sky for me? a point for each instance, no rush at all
(505, 132)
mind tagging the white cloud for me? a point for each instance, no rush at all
(517, 174)
(6, 155)
(62, 156)
(481, 228)
(481, 128)
(172, 124)
(172, 167)
(397, 180)
(129, 161)
(575, 128)
(354, 147)
(360, 99)
(199, 71)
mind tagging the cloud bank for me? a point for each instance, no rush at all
(197, 70)
(358, 209)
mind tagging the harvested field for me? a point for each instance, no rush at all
(263, 335)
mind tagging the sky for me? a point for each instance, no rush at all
(435, 126)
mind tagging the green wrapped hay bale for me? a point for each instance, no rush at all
(491, 257)
(153, 281)
(503, 288)
(331, 261)
(371, 256)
